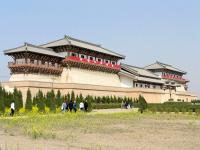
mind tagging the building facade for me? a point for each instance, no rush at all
(71, 64)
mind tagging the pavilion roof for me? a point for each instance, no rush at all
(32, 48)
(159, 65)
(140, 74)
(67, 40)
(140, 71)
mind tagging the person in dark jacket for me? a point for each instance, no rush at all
(74, 106)
(86, 106)
(70, 106)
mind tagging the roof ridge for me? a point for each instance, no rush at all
(125, 65)
(165, 66)
(163, 63)
(113, 52)
(75, 39)
(52, 42)
(143, 69)
(45, 48)
(28, 46)
(13, 48)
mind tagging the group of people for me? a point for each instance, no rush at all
(125, 105)
(72, 106)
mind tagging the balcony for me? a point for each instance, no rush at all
(23, 67)
(174, 77)
(91, 64)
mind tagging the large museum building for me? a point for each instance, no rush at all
(71, 64)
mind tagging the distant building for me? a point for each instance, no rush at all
(70, 64)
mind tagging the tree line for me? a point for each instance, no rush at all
(7, 97)
(52, 100)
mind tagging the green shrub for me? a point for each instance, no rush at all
(17, 97)
(2, 106)
(28, 104)
(89, 101)
(198, 111)
(142, 103)
(153, 109)
(52, 101)
(40, 102)
(59, 99)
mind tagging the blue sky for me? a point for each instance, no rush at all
(144, 31)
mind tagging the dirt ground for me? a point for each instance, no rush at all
(143, 133)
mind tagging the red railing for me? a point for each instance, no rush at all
(173, 77)
(83, 60)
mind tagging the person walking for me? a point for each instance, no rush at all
(64, 106)
(81, 106)
(70, 106)
(74, 106)
(12, 109)
(86, 105)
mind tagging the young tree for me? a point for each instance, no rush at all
(20, 99)
(48, 99)
(16, 99)
(81, 98)
(35, 101)
(142, 103)
(72, 96)
(68, 97)
(28, 104)
(89, 101)
(40, 102)
(58, 99)
(52, 101)
(2, 106)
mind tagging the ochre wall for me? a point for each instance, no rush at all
(151, 95)
(73, 75)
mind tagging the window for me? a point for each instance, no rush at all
(39, 62)
(106, 61)
(99, 59)
(20, 61)
(82, 56)
(32, 61)
(73, 54)
(91, 58)
(136, 85)
(114, 63)
(141, 85)
(154, 86)
(35, 62)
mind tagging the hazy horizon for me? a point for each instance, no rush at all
(144, 31)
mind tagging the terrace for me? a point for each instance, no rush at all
(92, 64)
(174, 77)
(29, 67)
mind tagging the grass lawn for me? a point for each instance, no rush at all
(126, 130)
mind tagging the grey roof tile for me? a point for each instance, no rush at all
(67, 40)
(32, 48)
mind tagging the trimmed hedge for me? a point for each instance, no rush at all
(111, 105)
(174, 107)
